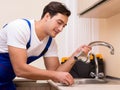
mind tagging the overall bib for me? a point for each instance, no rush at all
(6, 71)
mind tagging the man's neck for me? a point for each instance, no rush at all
(39, 29)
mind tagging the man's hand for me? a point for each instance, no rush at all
(63, 77)
(84, 48)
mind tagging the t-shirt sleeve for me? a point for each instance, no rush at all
(17, 33)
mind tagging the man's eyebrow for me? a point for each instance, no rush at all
(62, 22)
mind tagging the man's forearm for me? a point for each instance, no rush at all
(67, 65)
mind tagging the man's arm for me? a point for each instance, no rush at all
(52, 63)
(18, 58)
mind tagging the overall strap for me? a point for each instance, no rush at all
(29, 24)
(32, 58)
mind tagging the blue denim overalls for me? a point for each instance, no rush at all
(6, 71)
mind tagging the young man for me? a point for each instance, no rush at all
(23, 41)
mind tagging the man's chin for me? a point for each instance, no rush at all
(53, 36)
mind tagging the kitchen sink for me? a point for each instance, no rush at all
(90, 81)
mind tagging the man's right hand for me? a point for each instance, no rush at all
(63, 77)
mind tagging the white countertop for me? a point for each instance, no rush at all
(28, 80)
(90, 87)
(113, 85)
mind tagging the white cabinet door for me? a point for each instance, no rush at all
(85, 4)
(98, 8)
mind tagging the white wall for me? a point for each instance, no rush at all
(12, 9)
(110, 32)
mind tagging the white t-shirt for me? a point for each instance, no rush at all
(17, 34)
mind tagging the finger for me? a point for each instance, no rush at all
(83, 46)
(70, 79)
(86, 48)
(66, 82)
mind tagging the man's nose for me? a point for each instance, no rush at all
(60, 28)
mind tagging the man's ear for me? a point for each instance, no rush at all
(47, 16)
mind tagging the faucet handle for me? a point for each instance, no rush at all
(92, 74)
(101, 75)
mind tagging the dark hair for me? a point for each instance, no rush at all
(55, 7)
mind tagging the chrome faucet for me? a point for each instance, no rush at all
(100, 43)
(97, 74)
(82, 56)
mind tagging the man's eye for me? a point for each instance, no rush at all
(64, 25)
(59, 23)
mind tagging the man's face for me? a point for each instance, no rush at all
(56, 24)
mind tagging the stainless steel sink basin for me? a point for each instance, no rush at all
(90, 81)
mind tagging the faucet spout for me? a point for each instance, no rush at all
(102, 43)
(82, 56)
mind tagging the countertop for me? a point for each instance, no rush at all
(111, 85)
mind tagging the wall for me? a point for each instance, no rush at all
(110, 32)
(13, 9)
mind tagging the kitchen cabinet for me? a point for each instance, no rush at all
(83, 5)
(25, 84)
(86, 4)
(98, 9)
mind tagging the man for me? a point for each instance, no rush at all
(23, 41)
